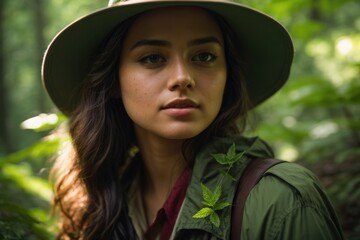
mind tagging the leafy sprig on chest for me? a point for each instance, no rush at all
(211, 199)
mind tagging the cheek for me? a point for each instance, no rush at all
(135, 95)
(215, 88)
(128, 89)
(222, 82)
(131, 94)
(128, 86)
(218, 91)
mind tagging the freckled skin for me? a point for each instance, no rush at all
(161, 62)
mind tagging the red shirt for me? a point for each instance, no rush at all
(167, 215)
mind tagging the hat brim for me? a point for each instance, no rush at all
(264, 45)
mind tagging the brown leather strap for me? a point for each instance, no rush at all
(252, 174)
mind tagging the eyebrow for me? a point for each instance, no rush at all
(151, 42)
(210, 39)
(163, 43)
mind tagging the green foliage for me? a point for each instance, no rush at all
(314, 119)
(211, 201)
(24, 204)
(229, 158)
(211, 198)
(25, 195)
(25, 192)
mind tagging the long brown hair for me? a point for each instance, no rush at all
(89, 190)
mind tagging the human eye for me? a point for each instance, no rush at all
(204, 57)
(152, 59)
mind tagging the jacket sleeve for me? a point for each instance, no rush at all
(307, 223)
(289, 203)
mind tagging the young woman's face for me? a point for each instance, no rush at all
(173, 72)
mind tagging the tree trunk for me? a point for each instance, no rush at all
(39, 19)
(315, 11)
(5, 141)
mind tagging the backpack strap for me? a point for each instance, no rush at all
(253, 172)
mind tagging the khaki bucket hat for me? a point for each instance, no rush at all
(264, 45)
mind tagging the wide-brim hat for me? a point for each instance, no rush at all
(264, 45)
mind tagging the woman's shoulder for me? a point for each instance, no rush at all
(290, 185)
(287, 186)
(289, 201)
(295, 178)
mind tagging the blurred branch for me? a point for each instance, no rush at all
(315, 12)
(4, 134)
(39, 18)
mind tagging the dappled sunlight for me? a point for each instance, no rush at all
(318, 48)
(344, 46)
(288, 152)
(39, 121)
(324, 130)
(289, 121)
(313, 120)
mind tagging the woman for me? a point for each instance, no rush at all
(155, 92)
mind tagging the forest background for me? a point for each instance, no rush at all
(314, 120)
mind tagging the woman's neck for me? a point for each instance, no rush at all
(163, 163)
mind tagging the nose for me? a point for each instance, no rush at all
(181, 77)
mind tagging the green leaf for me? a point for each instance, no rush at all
(220, 206)
(208, 204)
(214, 219)
(207, 194)
(210, 198)
(234, 159)
(24, 177)
(231, 151)
(203, 213)
(216, 196)
(230, 157)
(228, 175)
(43, 148)
(220, 158)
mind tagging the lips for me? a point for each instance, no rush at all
(181, 103)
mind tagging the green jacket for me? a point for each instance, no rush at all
(287, 203)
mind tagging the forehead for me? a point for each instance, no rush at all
(172, 21)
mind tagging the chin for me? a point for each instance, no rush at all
(181, 135)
